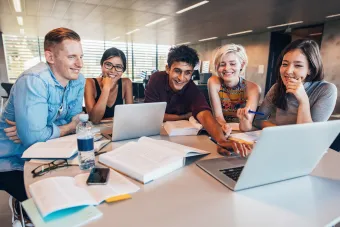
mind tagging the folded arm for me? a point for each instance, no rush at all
(31, 112)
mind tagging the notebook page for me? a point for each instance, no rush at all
(57, 193)
(52, 150)
(182, 150)
(251, 137)
(116, 185)
(144, 158)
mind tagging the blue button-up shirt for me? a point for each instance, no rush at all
(38, 104)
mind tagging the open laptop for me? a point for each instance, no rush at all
(281, 153)
(136, 120)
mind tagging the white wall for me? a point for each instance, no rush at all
(330, 51)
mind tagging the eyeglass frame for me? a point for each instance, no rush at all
(113, 66)
(51, 166)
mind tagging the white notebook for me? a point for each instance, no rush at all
(63, 147)
(73, 217)
(58, 193)
(183, 127)
(148, 159)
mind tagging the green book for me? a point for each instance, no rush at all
(71, 217)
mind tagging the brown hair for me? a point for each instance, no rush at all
(58, 35)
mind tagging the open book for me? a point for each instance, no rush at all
(148, 159)
(246, 137)
(63, 147)
(58, 193)
(183, 127)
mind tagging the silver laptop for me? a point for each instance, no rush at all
(136, 120)
(281, 153)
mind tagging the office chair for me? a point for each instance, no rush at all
(336, 144)
(7, 87)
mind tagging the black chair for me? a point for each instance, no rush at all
(7, 87)
(138, 91)
(336, 144)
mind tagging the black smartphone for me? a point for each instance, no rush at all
(98, 176)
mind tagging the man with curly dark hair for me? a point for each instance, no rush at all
(175, 87)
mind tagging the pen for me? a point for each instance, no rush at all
(249, 111)
(254, 112)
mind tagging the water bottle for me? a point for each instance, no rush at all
(85, 143)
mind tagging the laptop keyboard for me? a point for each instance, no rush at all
(233, 173)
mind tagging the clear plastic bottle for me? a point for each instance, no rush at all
(85, 143)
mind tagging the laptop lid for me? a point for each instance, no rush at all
(287, 152)
(136, 120)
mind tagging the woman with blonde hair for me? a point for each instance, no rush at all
(231, 95)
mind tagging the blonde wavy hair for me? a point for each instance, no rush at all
(231, 48)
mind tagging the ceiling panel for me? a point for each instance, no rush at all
(60, 9)
(78, 11)
(112, 18)
(31, 7)
(108, 2)
(4, 7)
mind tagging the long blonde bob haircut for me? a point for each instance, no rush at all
(231, 48)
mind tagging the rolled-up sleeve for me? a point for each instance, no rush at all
(31, 111)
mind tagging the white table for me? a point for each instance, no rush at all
(190, 197)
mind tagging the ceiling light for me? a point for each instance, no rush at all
(192, 7)
(17, 6)
(201, 40)
(239, 33)
(281, 25)
(315, 34)
(20, 21)
(130, 32)
(334, 15)
(155, 22)
(178, 44)
(22, 31)
(116, 38)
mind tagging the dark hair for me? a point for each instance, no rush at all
(311, 50)
(113, 52)
(184, 54)
(58, 35)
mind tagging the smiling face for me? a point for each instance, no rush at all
(65, 60)
(179, 75)
(294, 65)
(113, 67)
(229, 67)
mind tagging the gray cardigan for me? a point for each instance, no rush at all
(322, 98)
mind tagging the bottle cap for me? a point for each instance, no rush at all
(83, 117)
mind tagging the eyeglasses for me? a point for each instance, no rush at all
(109, 66)
(45, 168)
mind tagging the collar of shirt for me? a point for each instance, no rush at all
(169, 89)
(71, 83)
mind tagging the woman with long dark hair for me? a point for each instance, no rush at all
(300, 94)
(102, 94)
